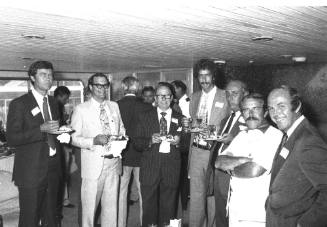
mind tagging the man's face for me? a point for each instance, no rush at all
(99, 88)
(205, 78)
(234, 95)
(148, 97)
(63, 99)
(253, 113)
(163, 97)
(280, 109)
(43, 80)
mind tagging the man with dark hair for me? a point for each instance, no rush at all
(248, 160)
(217, 180)
(208, 106)
(157, 136)
(298, 186)
(130, 107)
(148, 94)
(97, 124)
(62, 94)
(32, 120)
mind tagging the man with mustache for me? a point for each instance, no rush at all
(208, 106)
(248, 160)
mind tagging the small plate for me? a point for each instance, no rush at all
(196, 130)
(63, 131)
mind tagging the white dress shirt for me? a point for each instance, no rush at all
(184, 104)
(208, 98)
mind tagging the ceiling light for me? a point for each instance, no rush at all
(33, 36)
(299, 59)
(251, 61)
(219, 61)
(286, 56)
(262, 38)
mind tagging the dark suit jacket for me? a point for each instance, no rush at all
(222, 177)
(299, 190)
(32, 151)
(130, 107)
(154, 165)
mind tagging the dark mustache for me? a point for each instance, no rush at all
(204, 83)
(252, 119)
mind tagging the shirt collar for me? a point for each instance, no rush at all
(168, 111)
(183, 98)
(294, 125)
(211, 92)
(37, 95)
(96, 103)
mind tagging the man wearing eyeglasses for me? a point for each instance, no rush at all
(158, 136)
(248, 160)
(208, 106)
(96, 123)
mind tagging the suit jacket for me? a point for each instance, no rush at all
(130, 107)
(32, 150)
(299, 190)
(222, 177)
(87, 125)
(155, 165)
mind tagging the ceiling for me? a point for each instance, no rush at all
(138, 37)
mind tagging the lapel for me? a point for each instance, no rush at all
(33, 104)
(217, 107)
(173, 125)
(195, 103)
(154, 121)
(53, 108)
(290, 143)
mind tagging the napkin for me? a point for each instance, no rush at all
(164, 147)
(175, 223)
(64, 138)
(115, 148)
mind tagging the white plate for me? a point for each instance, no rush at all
(63, 131)
(196, 130)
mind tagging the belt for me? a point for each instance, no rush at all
(207, 147)
(109, 156)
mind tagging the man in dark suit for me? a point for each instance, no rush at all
(130, 106)
(158, 135)
(31, 120)
(217, 180)
(298, 187)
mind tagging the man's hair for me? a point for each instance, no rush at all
(244, 86)
(205, 64)
(148, 88)
(167, 85)
(38, 65)
(255, 96)
(91, 79)
(180, 84)
(295, 97)
(61, 90)
(130, 84)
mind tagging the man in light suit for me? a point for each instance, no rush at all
(217, 180)
(37, 156)
(161, 158)
(298, 187)
(96, 122)
(211, 107)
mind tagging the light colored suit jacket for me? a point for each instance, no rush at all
(87, 125)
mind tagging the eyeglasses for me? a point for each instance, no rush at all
(255, 109)
(101, 86)
(164, 97)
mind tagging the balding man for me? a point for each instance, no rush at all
(298, 187)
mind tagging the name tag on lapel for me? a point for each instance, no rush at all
(243, 127)
(219, 104)
(284, 153)
(174, 120)
(35, 111)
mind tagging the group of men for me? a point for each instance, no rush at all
(255, 172)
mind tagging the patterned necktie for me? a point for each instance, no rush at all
(51, 139)
(163, 124)
(104, 119)
(219, 144)
(278, 160)
(203, 110)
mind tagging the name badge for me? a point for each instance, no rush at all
(174, 120)
(35, 111)
(242, 127)
(219, 104)
(284, 153)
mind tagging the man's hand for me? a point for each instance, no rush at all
(155, 138)
(226, 138)
(175, 141)
(49, 126)
(228, 163)
(100, 139)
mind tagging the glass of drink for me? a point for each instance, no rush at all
(186, 124)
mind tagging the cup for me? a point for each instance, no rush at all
(186, 124)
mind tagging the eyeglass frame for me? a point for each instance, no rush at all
(101, 86)
(161, 96)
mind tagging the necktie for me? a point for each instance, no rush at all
(51, 139)
(278, 160)
(163, 124)
(219, 144)
(104, 119)
(203, 111)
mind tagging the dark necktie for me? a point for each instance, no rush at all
(51, 139)
(219, 144)
(278, 160)
(163, 124)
